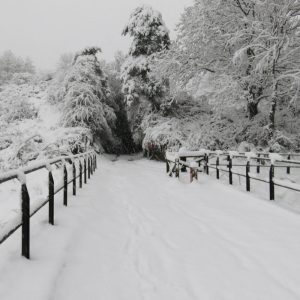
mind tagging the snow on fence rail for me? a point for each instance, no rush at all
(180, 163)
(87, 166)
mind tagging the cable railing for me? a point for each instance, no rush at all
(87, 165)
(177, 162)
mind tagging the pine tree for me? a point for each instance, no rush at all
(150, 36)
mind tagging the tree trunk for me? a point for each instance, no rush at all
(252, 108)
(273, 111)
(255, 92)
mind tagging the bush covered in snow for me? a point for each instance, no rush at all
(81, 90)
(30, 129)
(15, 106)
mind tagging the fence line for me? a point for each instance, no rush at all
(181, 164)
(85, 171)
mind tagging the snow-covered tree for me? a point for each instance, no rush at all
(10, 64)
(65, 62)
(85, 97)
(143, 91)
(150, 36)
(243, 46)
(274, 51)
(122, 128)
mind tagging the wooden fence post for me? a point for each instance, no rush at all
(288, 169)
(230, 170)
(272, 189)
(25, 221)
(80, 173)
(206, 162)
(248, 176)
(65, 185)
(217, 167)
(96, 163)
(74, 178)
(51, 197)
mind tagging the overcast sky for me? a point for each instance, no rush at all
(44, 29)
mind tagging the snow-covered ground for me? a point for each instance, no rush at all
(135, 233)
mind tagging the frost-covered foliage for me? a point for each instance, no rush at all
(56, 90)
(18, 147)
(209, 131)
(144, 92)
(240, 60)
(150, 36)
(16, 68)
(148, 30)
(85, 96)
(14, 104)
(249, 48)
(122, 129)
(29, 127)
(83, 93)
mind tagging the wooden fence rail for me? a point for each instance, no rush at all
(261, 161)
(89, 167)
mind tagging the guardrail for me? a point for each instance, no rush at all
(180, 164)
(87, 166)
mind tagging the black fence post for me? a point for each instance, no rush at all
(272, 188)
(183, 168)
(248, 176)
(80, 174)
(65, 185)
(51, 198)
(230, 169)
(89, 167)
(25, 221)
(74, 178)
(258, 164)
(92, 165)
(288, 169)
(167, 166)
(207, 167)
(217, 167)
(85, 170)
(96, 163)
(177, 168)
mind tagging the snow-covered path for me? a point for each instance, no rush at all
(135, 233)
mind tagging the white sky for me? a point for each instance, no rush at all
(44, 29)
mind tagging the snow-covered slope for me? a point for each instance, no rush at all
(30, 126)
(134, 233)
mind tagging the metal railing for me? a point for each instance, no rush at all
(87, 166)
(180, 164)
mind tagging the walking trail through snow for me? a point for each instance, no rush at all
(135, 233)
